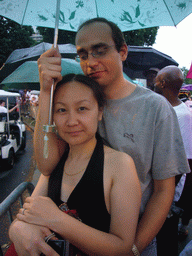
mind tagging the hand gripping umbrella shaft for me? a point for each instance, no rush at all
(50, 127)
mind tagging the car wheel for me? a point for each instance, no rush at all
(10, 159)
(23, 142)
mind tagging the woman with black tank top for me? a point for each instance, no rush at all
(97, 184)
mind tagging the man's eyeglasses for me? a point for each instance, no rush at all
(97, 53)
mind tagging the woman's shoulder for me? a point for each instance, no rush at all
(117, 160)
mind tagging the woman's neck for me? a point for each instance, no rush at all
(82, 151)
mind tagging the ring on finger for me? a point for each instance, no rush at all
(23, 212)
(47, 238)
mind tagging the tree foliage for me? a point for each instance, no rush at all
(141, 37)
(64, 37)
(13, 36)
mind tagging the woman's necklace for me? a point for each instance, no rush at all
(73, 174)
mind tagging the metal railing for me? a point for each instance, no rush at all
(16, 194)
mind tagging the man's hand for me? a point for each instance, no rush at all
(29, 240)
(49, 65)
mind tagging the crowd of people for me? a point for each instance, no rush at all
(29, 103)
(118, 160)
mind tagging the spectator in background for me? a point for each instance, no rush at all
(188, 102)
(34, 100)
(3, 109)
(33, 106)
(168, 83)
(150, 77)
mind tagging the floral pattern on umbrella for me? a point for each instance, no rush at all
(128, 15)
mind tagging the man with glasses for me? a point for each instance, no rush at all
(136, 121)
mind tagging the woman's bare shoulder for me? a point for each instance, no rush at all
(116, 159)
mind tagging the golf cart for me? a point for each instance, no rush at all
(12, 131)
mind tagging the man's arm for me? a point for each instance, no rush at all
(49, 72)
(11, 110)
(155, 213)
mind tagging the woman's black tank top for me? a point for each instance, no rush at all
(88, 196)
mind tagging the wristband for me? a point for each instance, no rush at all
(135, 251)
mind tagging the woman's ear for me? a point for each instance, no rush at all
(124, 52)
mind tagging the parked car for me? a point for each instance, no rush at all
(184, 95)
(12, 131)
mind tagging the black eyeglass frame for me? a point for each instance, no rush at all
(96, 52)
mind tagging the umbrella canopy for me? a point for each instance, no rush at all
(33, 53)
(140, 59)
(189, 74)
(19, 56)
(187, 87)
(26, 76)
(8, 94)
(128, 15)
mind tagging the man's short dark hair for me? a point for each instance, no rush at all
(117, 34)
(1, 101)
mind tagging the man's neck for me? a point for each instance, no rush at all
(122, 90)
(174, 101)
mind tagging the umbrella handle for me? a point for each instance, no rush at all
(50, 127)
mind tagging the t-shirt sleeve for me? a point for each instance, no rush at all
(169, 158)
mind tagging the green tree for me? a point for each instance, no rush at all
(64, 37)
(13, 36)
(141, 37)
(186, 80)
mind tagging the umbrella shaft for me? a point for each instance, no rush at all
(51, 105)
(55, 45)
(57, 23)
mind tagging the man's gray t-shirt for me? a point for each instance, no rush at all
(145, 126)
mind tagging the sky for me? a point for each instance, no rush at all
(176, 42)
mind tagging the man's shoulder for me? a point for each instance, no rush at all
(145, 94)
(3, 109)
(183, 110)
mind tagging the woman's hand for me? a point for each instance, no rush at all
(38, 210)
(29, 240)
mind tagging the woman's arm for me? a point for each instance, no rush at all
(41, 189)
(29, 239)
(124, 200)
(49, 71)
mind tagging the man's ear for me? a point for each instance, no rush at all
(163, 84)
(124, 52)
